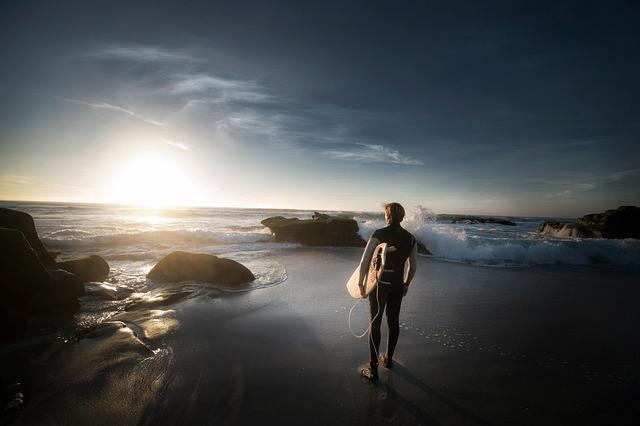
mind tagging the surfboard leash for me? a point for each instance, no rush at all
(359, 336)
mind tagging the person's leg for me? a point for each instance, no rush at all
(377, 301)
(394, 300)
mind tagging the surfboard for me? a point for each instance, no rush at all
(376, 267)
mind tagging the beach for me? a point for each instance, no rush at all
(478, 345)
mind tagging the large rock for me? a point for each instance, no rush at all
(623, 222)
(23, 222)
(88, 268)
(20, 268)
(183, 266)
(322, 230)
(27, 287)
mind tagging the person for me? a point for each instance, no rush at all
(392, 286)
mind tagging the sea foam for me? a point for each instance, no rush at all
(488, 244)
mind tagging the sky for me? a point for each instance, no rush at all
(505, 108)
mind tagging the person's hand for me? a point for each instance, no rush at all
(405, 289)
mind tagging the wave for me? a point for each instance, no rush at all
(457, 243)
(69, 233)
(195, 238)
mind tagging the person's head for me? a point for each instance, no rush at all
(393, 213)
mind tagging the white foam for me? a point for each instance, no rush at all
(490, 245)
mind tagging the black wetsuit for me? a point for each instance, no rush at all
(389, 291)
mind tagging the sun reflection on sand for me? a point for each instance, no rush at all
(151, 323)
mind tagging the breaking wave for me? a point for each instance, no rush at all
(192, 238)
(501, 246)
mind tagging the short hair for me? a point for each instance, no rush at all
(395, 211)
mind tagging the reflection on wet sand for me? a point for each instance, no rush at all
(152, 324)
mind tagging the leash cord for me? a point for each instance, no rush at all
(368, 329)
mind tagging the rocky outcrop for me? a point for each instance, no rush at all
(23, 222)
(182, 266)
(322, 230)
(564, 230)
(32, 284)
(88, 268)
(474, 220)
(623, 222)
(27, 288)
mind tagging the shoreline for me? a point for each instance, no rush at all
(477, 346)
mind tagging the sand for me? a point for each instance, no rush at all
(478, 345)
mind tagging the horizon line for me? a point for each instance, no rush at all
(187, 207)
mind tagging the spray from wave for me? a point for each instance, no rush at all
(488, 244)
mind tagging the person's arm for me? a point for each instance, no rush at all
(413, 264)
(366, 261)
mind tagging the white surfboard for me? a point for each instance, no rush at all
(376, 267)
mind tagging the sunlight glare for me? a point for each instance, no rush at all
(153, 181)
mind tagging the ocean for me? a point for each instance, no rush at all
(138, 236)
(134, 239)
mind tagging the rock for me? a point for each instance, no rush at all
(88, 268)
(183, 266)
(320, 216)
(21, 275)
(564, 230)
(23, 222)
(60, 294)
(324, 230)
(623, 222)
(422, 249)
(20, 268)
(27, 287)
(473, 220)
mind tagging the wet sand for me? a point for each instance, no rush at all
(478, 345)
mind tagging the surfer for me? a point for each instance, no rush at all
(392, 285)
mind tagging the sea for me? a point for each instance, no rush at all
(134, 239)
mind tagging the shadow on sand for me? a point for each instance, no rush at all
(430, 401)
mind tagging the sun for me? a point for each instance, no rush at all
(153, 181)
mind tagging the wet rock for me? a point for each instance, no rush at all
(320, 216)
(182, 266)
(87, 268)
(27, 287)
(323, 230)
(564, 230)
(474, 220)
(23, 222)
(623, 222)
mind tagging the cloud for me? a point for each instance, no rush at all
(142, 54)
(575, 189)
(175, 144)
(12, 180)
(203, 82)
(368, 153)
(217, 89)
(116, 108)
(622, 175)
